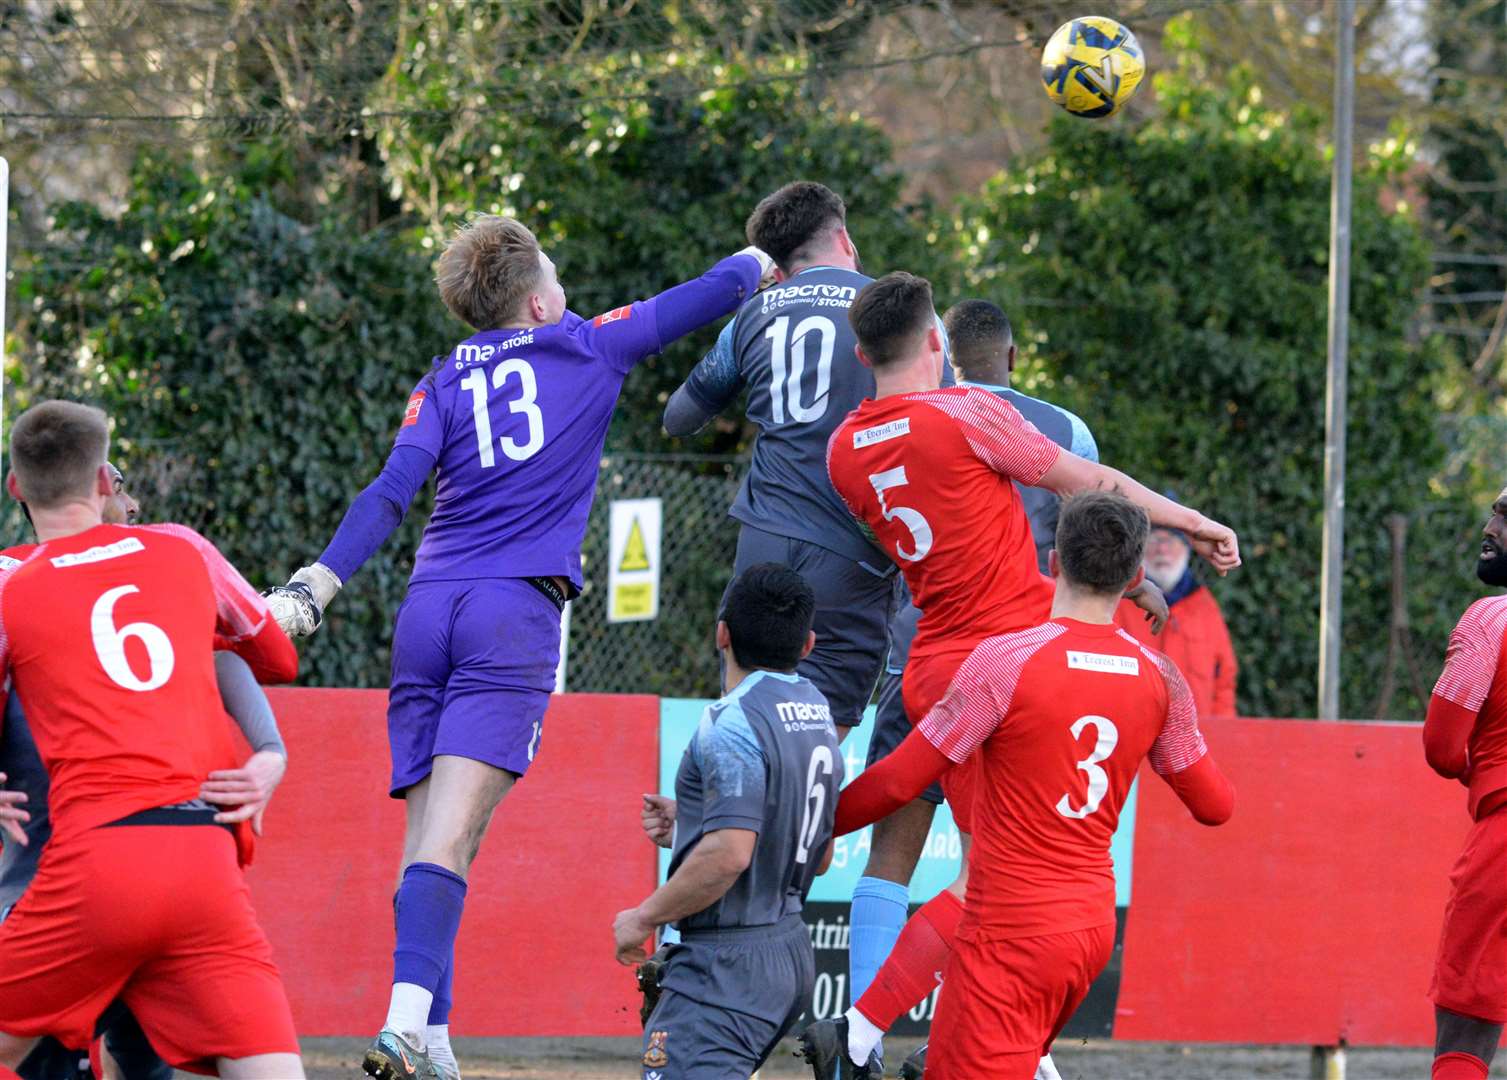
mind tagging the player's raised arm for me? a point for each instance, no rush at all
(712, 386)
(625, 335)
(1181, 757)
(1013, 447)
(1217, 543)
(373, 516)
(243, 620)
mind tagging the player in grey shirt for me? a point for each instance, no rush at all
(791, 346)
(752, 828)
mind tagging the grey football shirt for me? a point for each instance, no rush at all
(792, 347)
(24, 771)
(764, 758)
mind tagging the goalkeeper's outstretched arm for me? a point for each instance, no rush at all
(373, 516)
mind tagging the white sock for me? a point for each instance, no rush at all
(863, 1036)
(408, 1012)
(438, 1038)
(1046, 1070)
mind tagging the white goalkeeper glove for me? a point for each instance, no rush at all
(299, 605)
(766, 265)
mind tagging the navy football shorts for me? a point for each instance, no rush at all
(854, 602)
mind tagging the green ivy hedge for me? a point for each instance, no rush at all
(255, 368)
(1170, 284)
(1168, 281)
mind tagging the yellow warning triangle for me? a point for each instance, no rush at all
(635, 551)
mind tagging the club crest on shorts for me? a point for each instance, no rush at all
(656, 1056)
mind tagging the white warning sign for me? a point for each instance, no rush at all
(633, 566)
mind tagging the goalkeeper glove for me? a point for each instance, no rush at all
(766, 265)
(299, 605)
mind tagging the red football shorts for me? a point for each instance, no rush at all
(1004, 1000)
(1470, 973)
(161, 916)
(925, 683)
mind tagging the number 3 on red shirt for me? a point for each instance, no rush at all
(1098, 779)
(110, 644)
(920, 528)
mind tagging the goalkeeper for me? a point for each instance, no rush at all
(513, 421)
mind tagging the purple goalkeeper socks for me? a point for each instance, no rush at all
(439, 1009)
(429, 904)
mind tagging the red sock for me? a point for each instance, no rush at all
(919, 955)
(1459, 1066)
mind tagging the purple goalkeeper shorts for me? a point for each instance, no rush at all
(473, 666)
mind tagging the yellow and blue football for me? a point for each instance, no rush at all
(1092, 66)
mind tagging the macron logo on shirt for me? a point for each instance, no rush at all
(466, 353)
(129, 546)
(883, 433)
(804, 716)
(1109, 664)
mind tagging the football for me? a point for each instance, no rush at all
(1092, 66)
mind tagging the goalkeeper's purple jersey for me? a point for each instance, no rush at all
(516, 421)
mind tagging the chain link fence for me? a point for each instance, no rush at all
(672, 655)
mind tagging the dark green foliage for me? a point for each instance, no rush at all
(636, 191)
(256, 370)
(1170, 284)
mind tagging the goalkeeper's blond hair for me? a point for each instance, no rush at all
(488, 270)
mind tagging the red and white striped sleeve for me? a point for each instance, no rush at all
(999, 436)
(241, 611)
(9, 564)
(1180, 745)
(978, 699)
(1475, 646)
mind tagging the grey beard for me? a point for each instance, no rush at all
(1167, 580)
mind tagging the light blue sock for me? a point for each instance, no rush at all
(879, 911)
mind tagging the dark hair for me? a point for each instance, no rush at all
(489, 268)
(979, 336)
(56, 449)
(1101, 539)
(784, 224)
(890, 316)
(768, 611)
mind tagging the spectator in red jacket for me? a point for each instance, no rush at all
(1195, 637)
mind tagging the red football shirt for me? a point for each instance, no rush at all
(1468, 710)
(930, 473)
(107, 638)
(1062, 714)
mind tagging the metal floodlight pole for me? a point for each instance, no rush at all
(1339, 341)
